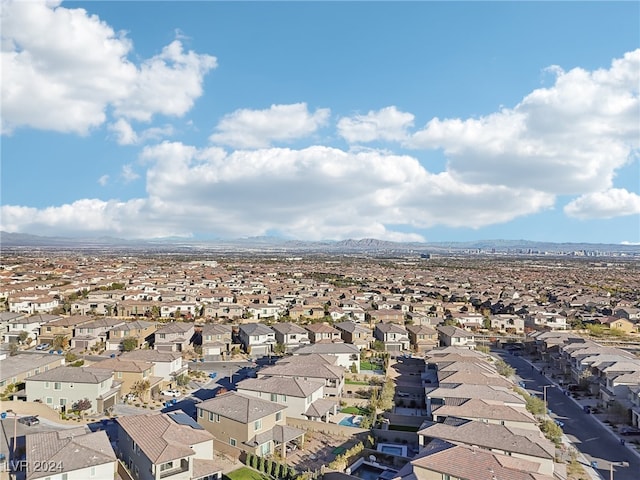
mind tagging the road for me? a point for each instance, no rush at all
(591, 438)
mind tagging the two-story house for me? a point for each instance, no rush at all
(290, 335)
(167, 365)
(248, 423)
(422, 337)
(141, 330)
(450, 336)
(347, 355)
(355, 333)
(310, 367)
(133, 374)
(64, 327)
(216, 339)
(94, 332)
(62, 387)
(323, 333)
(70, 454)
(395, 337)
(174, 336)
(166, 446)
(257, 338)
(298, 395)
(31, 325)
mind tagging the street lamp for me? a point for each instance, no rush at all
(617, 464)
(15, 431)
(544, 395)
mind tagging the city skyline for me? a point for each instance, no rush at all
(417, 121)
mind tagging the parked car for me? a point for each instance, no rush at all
(629, 431)
(28, 421)
(171, 393)
(42, 346)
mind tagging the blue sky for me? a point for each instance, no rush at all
(416, 121)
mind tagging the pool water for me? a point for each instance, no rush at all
(367, 472)
(392, 449)
(352, 421)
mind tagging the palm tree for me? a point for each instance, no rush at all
(140, 388)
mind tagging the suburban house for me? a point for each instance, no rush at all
(310, 367)
(488, 411)
(257, 338)
(134, 374)
(347, 355)
(264, 310)
(296, 394)
(422, 337)
(17, 368)
(92, 333)
(323, 333)
(167, 365)
(441, 459)
(527, 445)
(355, 334)
(622, 324)
(450, 336)
(395, 337)
(248, 423)
(64, 327)
(62, 387)
(306, 312)
(33, 304)
(216, 339)
(290, 335)
(141, 330)
(174, 336)
(388, 315)
(72, 454)
(31, 325)
(172, 446)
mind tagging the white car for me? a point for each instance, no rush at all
(171, 393)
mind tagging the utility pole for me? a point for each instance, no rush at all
(544, 394)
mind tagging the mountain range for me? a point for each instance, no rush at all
(18, 240)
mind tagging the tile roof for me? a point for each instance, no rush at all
(294, 387)
(327, 349)
(240, 407)
(73, 374)
(72, 449)
(160, 438)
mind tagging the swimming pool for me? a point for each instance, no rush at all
(352, 421)
(392, 449)
(367, 472)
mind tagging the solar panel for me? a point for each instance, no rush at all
(182, 418)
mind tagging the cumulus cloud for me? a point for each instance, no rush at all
(260, 128)
(63, 68)
(126, 135)
(615, 202)
(569, 138)
(309, 193)
(103, 180)
(386, 124)
(128, 174)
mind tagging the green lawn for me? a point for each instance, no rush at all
(364, 365)
(245, 473)
(354, 410)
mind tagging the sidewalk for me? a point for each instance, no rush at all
(581, 403)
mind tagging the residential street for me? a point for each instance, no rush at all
(595, 441)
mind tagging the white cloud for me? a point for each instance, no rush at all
(63, 68)
(125, 135)
(128, 174)
(103, 180)
(615, 202)
(313, 193)
(260, 128)
(569, 138)
(386, 124)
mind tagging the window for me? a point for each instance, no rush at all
(200, 413)
(119, 374)
(217, 418)
(64, 476)
(232, 442)
(265, 448)
(257, 425)
(283, 398)
(63, 401)
(211, 416)
(278, 416)
(162, 335)
(46, 385)
(274, 397)
(49, 401)
(93, 471)
(166, 466)
(57, 386)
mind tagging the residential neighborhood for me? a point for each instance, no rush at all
(192, 369)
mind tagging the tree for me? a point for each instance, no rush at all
(13, 349)
(182, 380)
(378, 346)
(70, 357)
(129, 344)
(22, 336)
(140, 388)
(60, 342)
(82, 405)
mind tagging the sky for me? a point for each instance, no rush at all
(402, 121)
